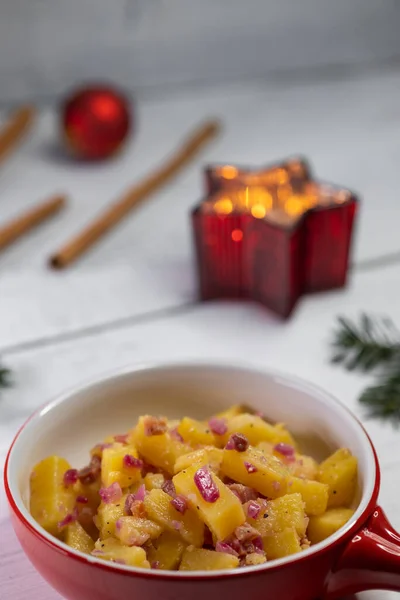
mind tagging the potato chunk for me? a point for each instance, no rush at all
(204, 456)
(282, 543)
(136, 531)
(107, 516)
(166, 551)
(282, 513)
(116, 468)
(50, 500)
(198, 559)
(339, 472)
(314, 494)
(195, 432)
(112, 550)
(266, 474)
(257, 430)
(223, 515)
(159, 508)
(77, 538)
(322, 526)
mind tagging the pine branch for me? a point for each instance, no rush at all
(5, 377)
(371, 343)
(383, 399)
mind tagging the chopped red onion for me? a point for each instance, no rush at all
(68, 519)
(70, 477)
(130, 500)
(121, 438)
(253, 509)
(169, 488)
(92, 472)
(218, 426)
(243, 492)
(177, 525)
(154, 426)
(111, 494)
(225, 548)
(140, 493)
(155, 564)
(238, 442)
(250, 468)
(174, 433)
(82, 499)
(206, 485)
(258, 544)
(118, 525)
(285, 449)
(131, 462)
(180, 504)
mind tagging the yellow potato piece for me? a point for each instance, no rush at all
(195, 432)
(162, 450)
(302, 466)
(198, 559)
(314, 494)
(113, 468)
(159, 508)
(257, 430)
(166, 551)
(282, 543)
(231, 412)
(107, 516)
(135, 531)
(221, 516)
(153, 481)
(339, 472)
(280, 514)
(321, 527)
(112, 550)
(270, 477)
(204, 456)
(77, 538)
(50, 500)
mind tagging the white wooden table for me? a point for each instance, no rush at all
(132, 299)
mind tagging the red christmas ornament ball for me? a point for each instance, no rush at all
(95, 121)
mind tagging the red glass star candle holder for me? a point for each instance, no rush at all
(272, 238)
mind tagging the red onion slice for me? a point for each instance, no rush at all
(169, 488)
(111, 494)
(253, 509)
(206, 485)
(285, 449)
(70, 477)
(218, 426)
(180, 504)
(131, 462)
(225, 548)
(238, 442)
(250, 468)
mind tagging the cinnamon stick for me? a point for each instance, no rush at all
(15, 128)
(118, 211)
(16, 228)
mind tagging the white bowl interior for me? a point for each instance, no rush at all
(75, 422)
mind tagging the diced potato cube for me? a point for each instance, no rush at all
(77, 538)
(302, 465)
(159, 450)
(257, 430)
(112, 550)
(159, 508)
(198, 559)
(322, 526)
(222, 516)
(107, 516)
(50, 500)
(135, 531)
(195, 432)
(167, 551)
(282, 543)
(314, 494)
(264, 473)
(280, 514)
(113, 468)
(204, 456)
(339, 472)
(153, 481)
(254, 558)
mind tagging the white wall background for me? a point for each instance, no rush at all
(48, 45)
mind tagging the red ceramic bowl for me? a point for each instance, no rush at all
(365, 554)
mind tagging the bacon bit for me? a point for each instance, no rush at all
(169, 488)
(111, 494)
(121, 438)
(238, 442)
(70, 477)
(244, 493)
(177, 525)
(206, 486)
(92, 472)
(285, 450)
(253, 509)
(82, 499)
(218, 426)
(134, 507)
(180, 504)
(174, 433)
(225, 548)
(250, 468)
(68, 519)
(154, 426)
(155, 564)
(131, 462)
(276, 485)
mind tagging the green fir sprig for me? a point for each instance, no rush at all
(372, 345)
(5, 377)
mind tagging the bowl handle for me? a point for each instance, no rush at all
(371, 560)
